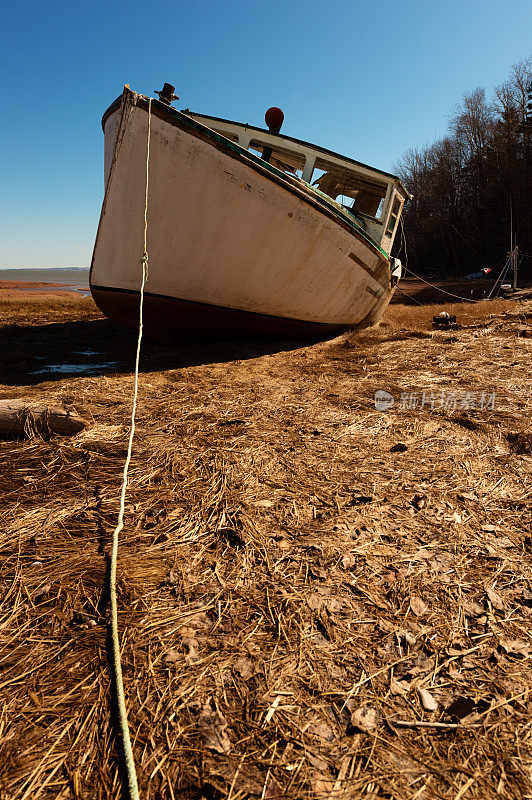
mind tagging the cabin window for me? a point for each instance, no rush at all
(355, 192)
(369, 202)
(394, 216)
(283, 159)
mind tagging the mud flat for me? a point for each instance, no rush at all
(411, 291)
(318, 599)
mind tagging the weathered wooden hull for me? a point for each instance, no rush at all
(235, 246)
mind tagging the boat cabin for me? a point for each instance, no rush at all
(374, 198)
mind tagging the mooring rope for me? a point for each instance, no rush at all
(458, 297)
(121, 702)
(502, 273)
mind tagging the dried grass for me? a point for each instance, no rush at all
(299, 597)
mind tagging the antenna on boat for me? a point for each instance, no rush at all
(166, 94)
(274, 119)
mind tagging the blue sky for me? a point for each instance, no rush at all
(367, 79)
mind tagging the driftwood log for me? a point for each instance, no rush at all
(25, 418)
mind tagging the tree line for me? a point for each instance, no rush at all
(471, 187)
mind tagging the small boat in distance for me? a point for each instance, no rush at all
(250, 232)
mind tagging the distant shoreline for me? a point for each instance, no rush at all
(37, 281)
(11, 289)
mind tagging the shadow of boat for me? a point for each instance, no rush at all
(32, 354)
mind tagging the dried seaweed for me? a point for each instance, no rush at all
(281, 636)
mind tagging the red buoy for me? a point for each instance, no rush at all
(274, 119)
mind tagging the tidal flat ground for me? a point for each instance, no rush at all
(317, 598)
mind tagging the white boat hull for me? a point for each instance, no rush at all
(234, 246)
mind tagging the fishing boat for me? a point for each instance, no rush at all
(250, 231)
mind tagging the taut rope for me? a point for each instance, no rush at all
(122, 712)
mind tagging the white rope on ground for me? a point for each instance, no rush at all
(121, 702)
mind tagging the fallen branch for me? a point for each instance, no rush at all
(25, 418)
(420, 723)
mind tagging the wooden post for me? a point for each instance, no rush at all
(515, 258)
(26, 417)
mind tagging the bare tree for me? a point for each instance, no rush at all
(463, 185)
